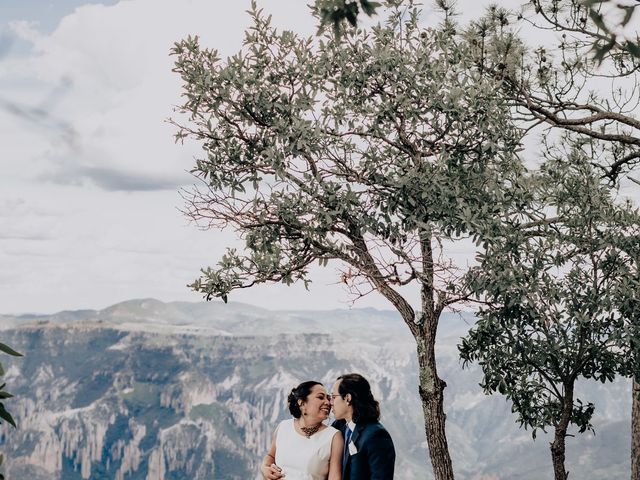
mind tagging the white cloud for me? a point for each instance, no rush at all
(88, 191)
(105, 87)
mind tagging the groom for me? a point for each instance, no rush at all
(368, 449)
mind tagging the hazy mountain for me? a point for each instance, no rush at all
(152, 390)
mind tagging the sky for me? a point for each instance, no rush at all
(89, 173)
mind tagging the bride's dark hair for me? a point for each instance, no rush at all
(301, 392)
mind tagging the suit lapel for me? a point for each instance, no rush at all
(354, 438)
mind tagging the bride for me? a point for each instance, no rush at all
(304, 448)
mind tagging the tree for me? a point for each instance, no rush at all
(373, 151)
(560, 286)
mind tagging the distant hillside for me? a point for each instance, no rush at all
(152, 390)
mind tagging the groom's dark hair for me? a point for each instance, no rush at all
(365, 408)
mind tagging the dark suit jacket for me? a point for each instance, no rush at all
(375, 457)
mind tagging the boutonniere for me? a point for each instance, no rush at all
(352, 448)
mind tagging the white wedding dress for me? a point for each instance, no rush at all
(303, 458)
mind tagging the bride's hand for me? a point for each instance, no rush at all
(272, 472)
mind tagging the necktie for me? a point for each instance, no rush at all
(347, 438)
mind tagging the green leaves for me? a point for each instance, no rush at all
(4, 413)
(335, 12)
(9, 351)
(602, 48)
(314, 148)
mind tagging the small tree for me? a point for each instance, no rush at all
(373, 151)
(559, 287)
(581, 77)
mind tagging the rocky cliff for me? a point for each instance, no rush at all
(148, 390)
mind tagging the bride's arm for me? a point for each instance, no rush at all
(335, 460)
(269, 469)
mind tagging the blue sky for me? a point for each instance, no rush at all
(46, 14)
(89, 173)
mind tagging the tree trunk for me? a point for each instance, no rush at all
(431, 390)
(558, 445)
(635, 431)
(431, 387)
